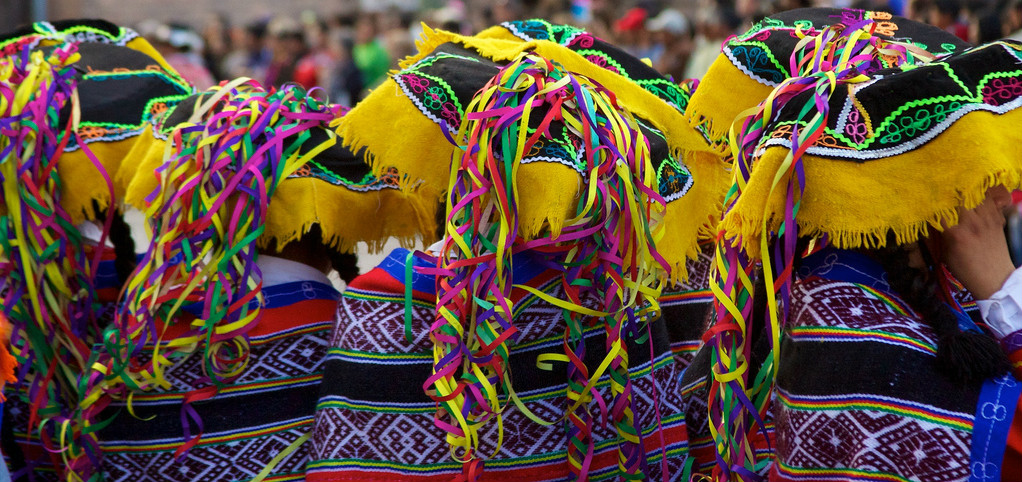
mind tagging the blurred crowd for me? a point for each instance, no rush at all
(344, 54)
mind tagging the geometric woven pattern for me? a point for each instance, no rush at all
(817, 302)
(385, 431)
(877, 419)
(873, 441)
(246, 424)
(686, 307)
(234, 461)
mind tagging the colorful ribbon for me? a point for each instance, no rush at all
(219, 174)
(604, 252)
(46, 269)
(841, 54)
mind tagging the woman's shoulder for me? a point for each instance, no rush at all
(843, 308)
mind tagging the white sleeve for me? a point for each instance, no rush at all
(1003, 311)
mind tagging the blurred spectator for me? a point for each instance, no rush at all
(395, 33)
(251, 56)
(370, 56)
(504, 11)
(182, 48)
(672, 30)
(918, 10)
(633, 36)
(346, 80)
(604, 13)
(1013, 20)
(215, 35)
(316, 66)
(944, 14)
(986, 27)
(713, 25)
(287, 45)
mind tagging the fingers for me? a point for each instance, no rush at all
(982, 219)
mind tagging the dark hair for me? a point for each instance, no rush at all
(441, 220)
(120, 238)
(988, 26)
(257, 29)
(949, 7)
(311, 247)
(345, 264)
(965, 357)
(124, 247)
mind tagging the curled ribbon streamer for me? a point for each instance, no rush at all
(47, 272)
(209, 209)
(604, 251)
(821, 62)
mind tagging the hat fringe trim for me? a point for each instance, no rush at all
(716, 104)
(399, 215)
(748, 229)
(374, 126)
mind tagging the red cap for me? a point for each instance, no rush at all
(634, 19)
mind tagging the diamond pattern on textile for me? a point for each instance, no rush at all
(873, 441)
(411, 438)
(382, 433)
(821, 302)
(233, 461)
(288, 357)
(379, 326)
(383, 330)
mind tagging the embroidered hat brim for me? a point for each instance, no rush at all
(120, 90)
(900, 153)
(752, 64)
(336, 190)
(428, 96)
(48, 34)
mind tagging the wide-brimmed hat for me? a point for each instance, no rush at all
(71, 113)
(898, 153)
(752, 64)
(855, 154)
(425, 102)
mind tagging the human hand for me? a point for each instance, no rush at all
(975, 250)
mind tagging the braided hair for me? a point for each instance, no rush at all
(967, 357)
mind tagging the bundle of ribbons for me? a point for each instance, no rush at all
(210, 208)
(604, 249)
(49, 275)
(822, 62)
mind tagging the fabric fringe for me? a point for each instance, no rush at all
(396, 135)
(723, 94)
(694, 217)
(855, 210)
(348, 217)
(421, 155)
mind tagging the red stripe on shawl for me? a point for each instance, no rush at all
(274, 320)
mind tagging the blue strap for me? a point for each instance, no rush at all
(525, 267)
(285, 294)
(994, 412)
(845, 265)
(394, 265)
